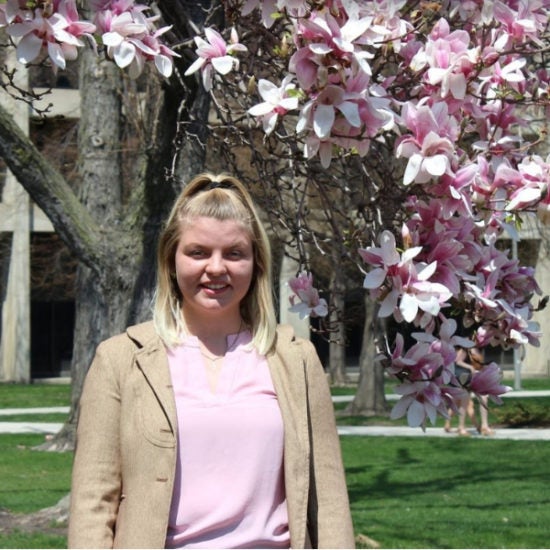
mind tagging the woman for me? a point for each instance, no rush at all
(210, 426)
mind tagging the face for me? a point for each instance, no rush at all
(214, 265)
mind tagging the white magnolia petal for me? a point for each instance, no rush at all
(289, 103)
(429, 304)
(390, 256)
(164, 65)
(325, 154)
(223, 65)
(410, 253)
(430, 411)
(400, 408)
(427, 271)
(351, 112)
(197, 64)
(321, 309)
(416, 414)
(260, 109)
(124, 54)
(267, 88)
(55, 53)
(374, 278)
(408, 307)
(112, 39)
(323, 120)
(29, 48)
(320, 48)
(458, 85)
(524, 197)
(301, 309)
(388, 304)
(413, 167)
(436, 165)
(270, 122)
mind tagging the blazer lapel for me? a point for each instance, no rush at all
(152, 360)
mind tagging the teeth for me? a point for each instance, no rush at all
(215, 287)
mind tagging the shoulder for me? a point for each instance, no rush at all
(135, 337)
(288, 343)
(286, 336)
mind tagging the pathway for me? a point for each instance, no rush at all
(46, 428)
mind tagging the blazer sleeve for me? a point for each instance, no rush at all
(329, 516)
(96, 476)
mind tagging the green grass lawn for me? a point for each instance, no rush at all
(19, 396)
(31, 480)
(404, 492)
(449, 493)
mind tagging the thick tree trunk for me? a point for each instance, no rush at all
(102, 297)
(369, 399)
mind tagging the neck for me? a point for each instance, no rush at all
(213, 331)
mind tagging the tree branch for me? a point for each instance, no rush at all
(48, 188)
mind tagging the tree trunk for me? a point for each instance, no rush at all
(369, 399)
(102, 298)
(337, 345)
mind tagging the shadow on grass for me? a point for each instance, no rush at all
(448, 493)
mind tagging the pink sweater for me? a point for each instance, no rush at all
(229, 485)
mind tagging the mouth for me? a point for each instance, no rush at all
(213, 289)
(212, 286)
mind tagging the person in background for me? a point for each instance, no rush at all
(476, 359)
(465, 404)
(467, 362)
(209, 426)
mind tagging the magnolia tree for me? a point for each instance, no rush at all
(456, 95)
(411, 126)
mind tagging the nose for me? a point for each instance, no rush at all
(216, 265)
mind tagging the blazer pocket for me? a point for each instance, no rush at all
(151, 418)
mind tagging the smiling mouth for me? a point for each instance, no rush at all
(215, 287)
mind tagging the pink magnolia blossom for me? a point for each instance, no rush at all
(214, 54)
(487, 381)
(53, 28)
(310, 303)
(534, 183)
(421, 400)
(131, 38)
(277, 102)
(520, 24)
(323, 147)
(400, 283)
(320, 113)
(448, 58)
(430, 148)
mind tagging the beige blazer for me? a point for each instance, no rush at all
(125, 457)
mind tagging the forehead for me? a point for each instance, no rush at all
(211, 231)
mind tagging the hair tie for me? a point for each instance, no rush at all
(218, 185)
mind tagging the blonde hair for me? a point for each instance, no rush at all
(221, 197)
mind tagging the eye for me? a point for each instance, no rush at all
(235, 254)
(196, 253)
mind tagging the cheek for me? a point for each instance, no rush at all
(184, 272)
(247, 271)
